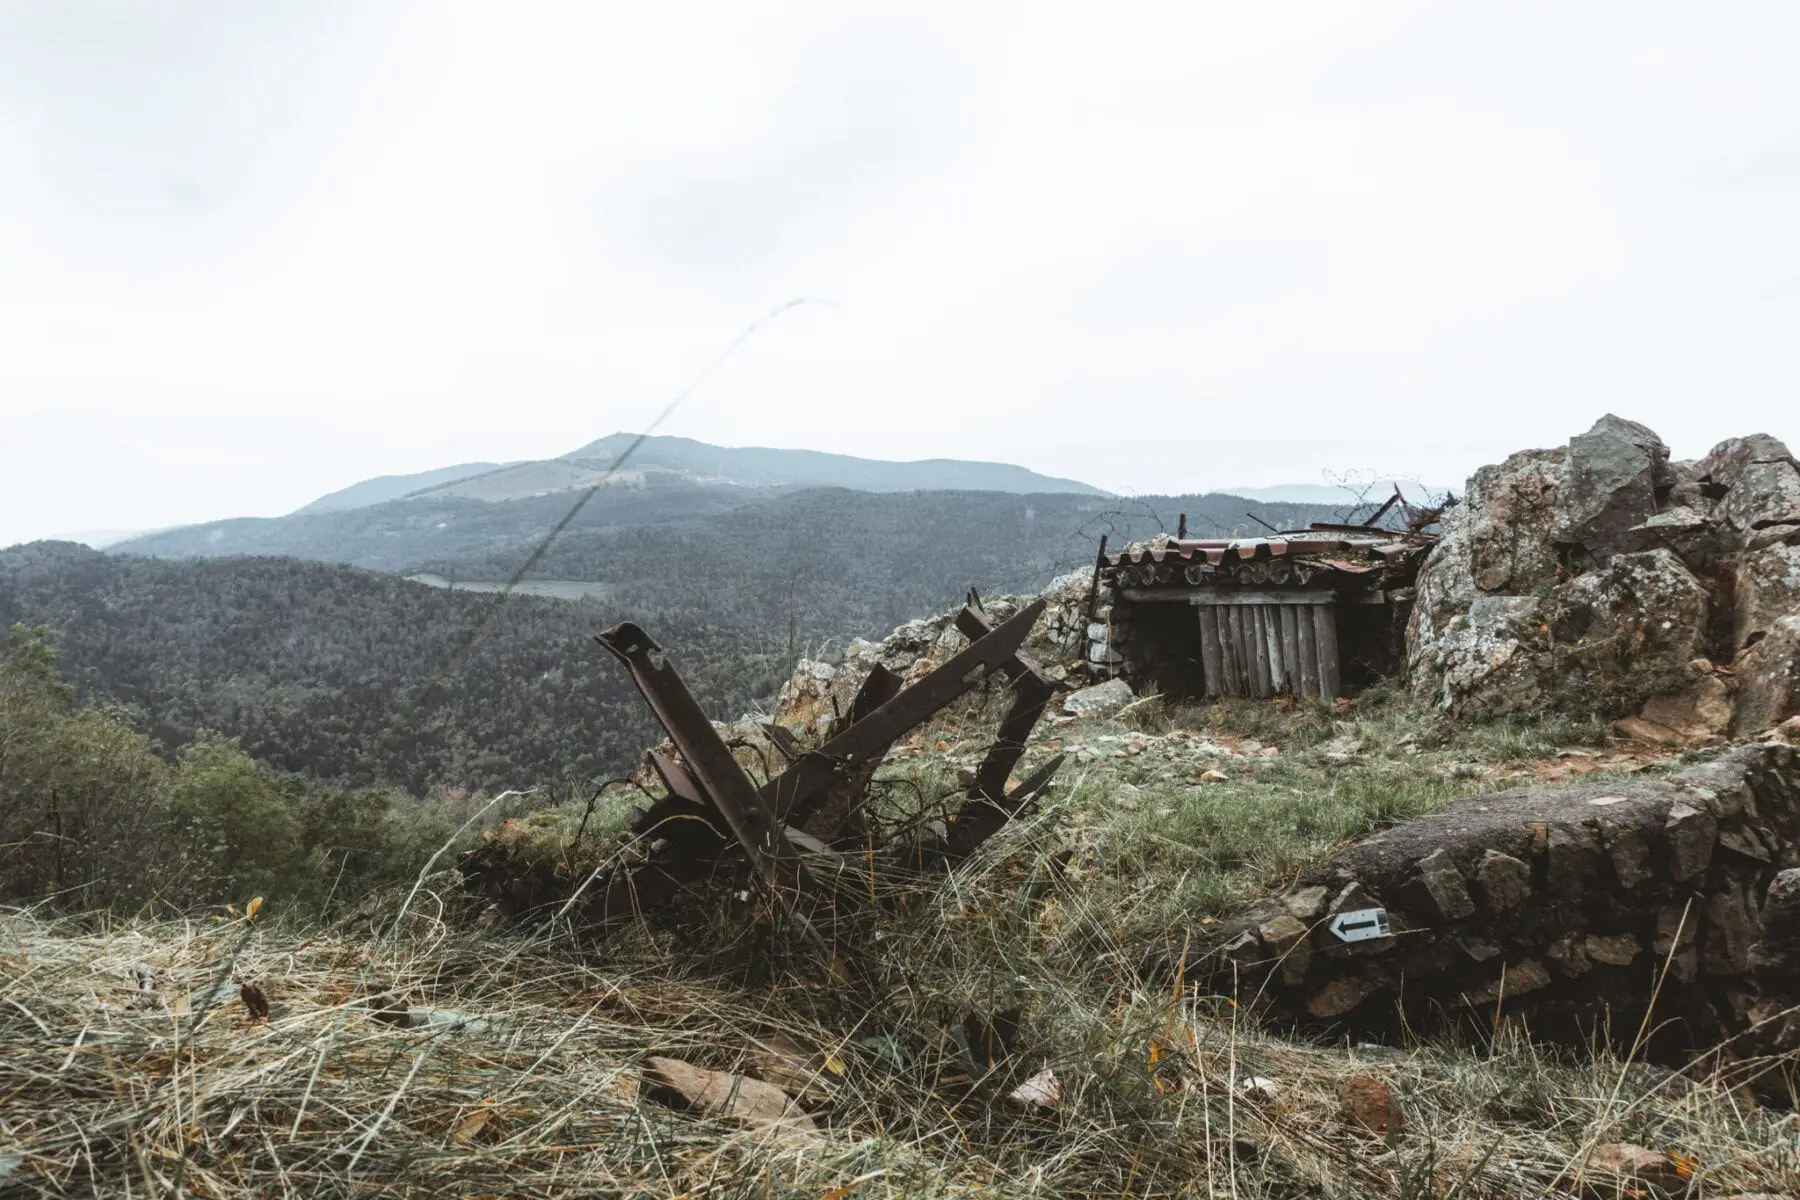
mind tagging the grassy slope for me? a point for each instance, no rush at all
(325, 1100)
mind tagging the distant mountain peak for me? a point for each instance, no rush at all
(763, 465)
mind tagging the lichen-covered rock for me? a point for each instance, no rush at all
(1768, 678)
(1604, 578)
(1626, 632)
(1760, 485)
(1609, 484)
(1101, 700)
(1767, 586)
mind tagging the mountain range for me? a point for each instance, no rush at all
(310, 637)
(755, 466)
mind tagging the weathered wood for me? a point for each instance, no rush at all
(1231, 593)
(1240, 636)
(1271, 615)
(1309, 654)
(1229, 684)
(1211, 661)
(1325, 634)
(1259, 650)
(1290, 648)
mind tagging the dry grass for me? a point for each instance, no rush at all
(525, 1082)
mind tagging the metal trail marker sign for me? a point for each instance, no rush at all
(1361, 925)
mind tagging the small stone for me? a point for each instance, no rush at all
(1784, 889)
(1259, 1088)
(1744, 842)
(1691, 835)
(1729, 934)
(1630, 857)
(1445, 884)
(1615, 950)
(1339, 996)
(1540, 836)
(1308, 903)
(1478, 948)
(1287, 936)
(1351, 897)
(1526, 975)
(1503, 881)
(1368, 1103)
(1569, 957)
(1243, 949)
(1636, 1164)
(1572, 853)
(1101, 700)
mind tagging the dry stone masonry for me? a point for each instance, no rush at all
(1565, 907)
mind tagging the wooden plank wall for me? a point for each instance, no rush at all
(1262, 650)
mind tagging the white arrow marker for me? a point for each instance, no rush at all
(1361, 925)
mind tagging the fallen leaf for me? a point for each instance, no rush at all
(721, 1094)
(1041, 1093)
(469, 1126)
(1624, 1162)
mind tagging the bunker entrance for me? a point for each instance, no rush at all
(1314, 614)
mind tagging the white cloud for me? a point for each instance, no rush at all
(252, 253)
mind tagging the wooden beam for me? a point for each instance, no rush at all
(1325, 633)
(1211, 661)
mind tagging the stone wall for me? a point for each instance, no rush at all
(1566, 907)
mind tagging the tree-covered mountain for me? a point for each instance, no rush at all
(813, 468)
(318, 668)
(400, 535)
(840, 563)
(383, 488)
(321, 669)
(689, 461)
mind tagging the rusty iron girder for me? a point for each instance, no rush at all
(799, 811)
(719, 777)
(869, 739)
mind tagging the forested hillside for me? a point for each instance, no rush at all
(832, 562)
(318, 669)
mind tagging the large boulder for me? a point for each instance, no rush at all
(1605, 578)
(1610, 479)
(1768, 678)
(1756, 483)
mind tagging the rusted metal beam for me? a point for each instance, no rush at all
(869, 738)
(1036, 689)
(828, 813)
(717, 774)
(984, 816)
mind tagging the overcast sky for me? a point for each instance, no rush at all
(253, 252)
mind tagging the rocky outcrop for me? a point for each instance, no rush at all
(1568, 907)
(1605, 578)
(817, 690)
